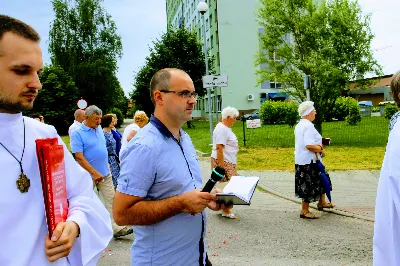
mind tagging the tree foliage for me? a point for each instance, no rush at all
(84, 42)
(329, 40)
(178, 48)
(56, 100)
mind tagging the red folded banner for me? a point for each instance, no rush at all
(52, 172)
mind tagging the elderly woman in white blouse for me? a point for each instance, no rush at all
(308, 147)
(225, 149)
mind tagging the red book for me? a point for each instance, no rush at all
(52, 171)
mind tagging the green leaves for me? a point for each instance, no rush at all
(56, 100)
(84, 42)
(177, 48)
(279, 113)
(329, 40)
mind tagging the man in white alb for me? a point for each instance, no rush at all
(386, 243)
(79, 116)
(24, 235)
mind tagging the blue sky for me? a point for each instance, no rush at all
(140, 22)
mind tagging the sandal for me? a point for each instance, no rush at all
(326, 205)
(308, 215)
(230, 215)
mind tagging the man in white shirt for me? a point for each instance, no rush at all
(23, 229)
(79, 118)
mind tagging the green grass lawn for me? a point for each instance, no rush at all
(371, 132)
(271, 147)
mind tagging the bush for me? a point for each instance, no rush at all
(347, 108)
(390, 110)
(354, 116)
(119, 114)
(341, 108)
(279, 113)
(375, 109)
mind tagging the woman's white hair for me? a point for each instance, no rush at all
(229, 112)
(305, 108)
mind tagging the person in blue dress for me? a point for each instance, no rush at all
(107, 123)
(116, 134)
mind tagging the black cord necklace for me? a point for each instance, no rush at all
(23, 182)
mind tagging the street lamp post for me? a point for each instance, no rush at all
(202, 7)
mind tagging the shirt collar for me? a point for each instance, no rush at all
(10, 119)
(161, 127)
(85, 128)
(77, 123)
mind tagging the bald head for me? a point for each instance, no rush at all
(161, 80)
(79, 115)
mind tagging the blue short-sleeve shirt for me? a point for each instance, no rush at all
(92, 144)
(155, 166)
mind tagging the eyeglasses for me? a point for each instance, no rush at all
(184, 94)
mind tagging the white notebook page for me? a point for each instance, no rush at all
(242, 186)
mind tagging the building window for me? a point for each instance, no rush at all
(219, 103)
(275, 85)
(274, 56)
(212, 41)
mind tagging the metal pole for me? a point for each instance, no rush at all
(208, 89)
(307, 85)
(216, 104)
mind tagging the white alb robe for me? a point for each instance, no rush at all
(386, 243)
(23, 225)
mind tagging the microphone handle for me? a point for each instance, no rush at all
(209, 185)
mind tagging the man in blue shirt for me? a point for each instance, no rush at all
(160, 177)
(89, 146)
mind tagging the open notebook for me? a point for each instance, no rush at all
(239, 190)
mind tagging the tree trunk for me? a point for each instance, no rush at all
(318, 123)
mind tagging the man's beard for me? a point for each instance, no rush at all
(15, 107)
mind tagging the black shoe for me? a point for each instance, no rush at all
(123, 232)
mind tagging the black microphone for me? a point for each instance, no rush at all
(216, 175)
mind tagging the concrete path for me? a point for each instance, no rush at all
(270, 232)
(354, 192)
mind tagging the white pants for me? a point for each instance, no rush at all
(106, 188)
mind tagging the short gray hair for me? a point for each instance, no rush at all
(93, 109)
(229, 112)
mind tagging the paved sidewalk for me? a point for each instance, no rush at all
(354, 191)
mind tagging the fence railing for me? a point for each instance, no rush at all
(370, 132)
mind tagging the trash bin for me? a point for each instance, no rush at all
(382, 106)
(365, 108)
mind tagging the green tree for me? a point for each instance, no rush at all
(178, 48)
(56, 101)
(84, 42)
(330, 41)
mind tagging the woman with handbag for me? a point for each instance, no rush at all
(308, 148)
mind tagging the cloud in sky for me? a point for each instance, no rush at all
(140, 22)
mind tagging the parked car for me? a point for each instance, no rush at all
(252, 115)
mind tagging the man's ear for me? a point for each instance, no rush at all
(158, 97)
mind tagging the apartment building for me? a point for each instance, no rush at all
(232, 35)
